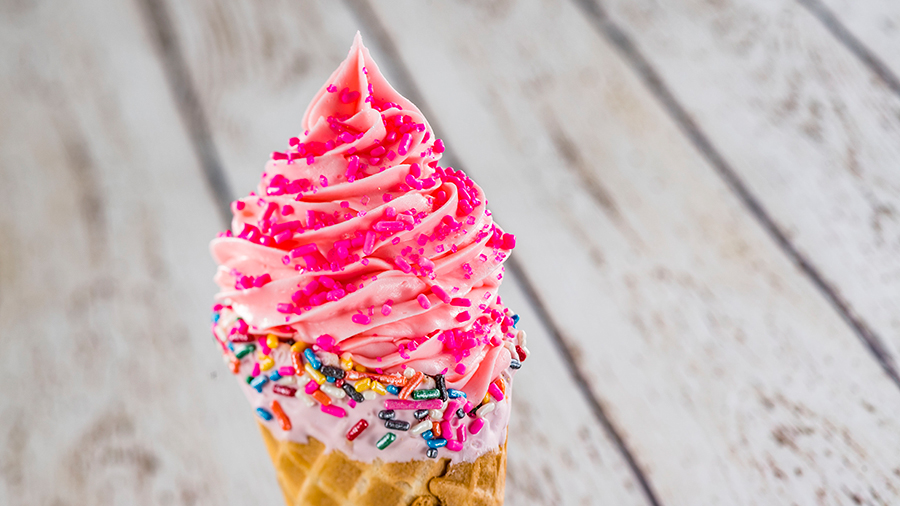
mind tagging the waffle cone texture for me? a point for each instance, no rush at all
(310, 476)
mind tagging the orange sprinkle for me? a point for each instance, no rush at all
(297, 361)
(436, 429)
(281, 416)
(413, 383)
(322, 397)
(235, 365)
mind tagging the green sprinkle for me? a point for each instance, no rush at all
(386, 440)
(249, 379)
(421, 395)
(244, 352)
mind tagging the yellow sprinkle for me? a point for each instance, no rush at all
(298, 347)
(266, 363)
(314, 374)
(363, 384)
(272, 341)
(361, 368)
(379, 388)
(487, 398)
(346, 361)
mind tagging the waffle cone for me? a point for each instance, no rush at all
(309, 476)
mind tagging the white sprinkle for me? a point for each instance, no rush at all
(436, 414)
(369, 395)
(420, 427)
(333, 391)
(484, 410)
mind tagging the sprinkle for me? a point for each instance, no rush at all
(245, 351)
(378, 388)
(311, 387)
(420, 414)
(272, 341)
(436, 415)
(386, 309)
(428, 434)
(352, 393)
(460, 369)
(282, 417)
(454, 446)
(258, 383)
(265, 415)
(334, 372)
(392, 389)
(333, 391)
(361, 319)
(322, 397)
(333, 410)
(363, 385)
(266, 363)
(314, 374)
(431, 453)
(385, 440)
(421, 395)
(484, 410)
(312, 359)
(387, 414)
(461, 317)
(357, 429)
(284, 390)
(436, 443)
(436, 429)
(423, 301)
(460, 413)
(420, 427)
(274, 376)
(287, 371)
(400, 425)
(346, 361)
(494, 390)
(461, 434)
(369, 395)
(442, 386)
(476, 426)
(412, 384)
(255, 371)
(303, 380)
(454, 393)
(515, 364)
(412, 405)
(298, 347)
(460, 302)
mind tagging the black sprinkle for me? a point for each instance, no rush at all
(290, 342)
(460, 413)
(420, 413)
(396, 424)
(442, 386)
(431, 453)
(356, 396)
(334, 372)
(515, 364)
(387, 414)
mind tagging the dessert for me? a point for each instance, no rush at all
(358, 305)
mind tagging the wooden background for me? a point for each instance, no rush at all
(706, 195)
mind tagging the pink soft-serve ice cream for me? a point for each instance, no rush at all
(358, 298)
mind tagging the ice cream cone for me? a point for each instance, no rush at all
(310, 476)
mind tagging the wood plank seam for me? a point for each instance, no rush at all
(406, 83)
(602, 23)
(165, 41)
(840, 32)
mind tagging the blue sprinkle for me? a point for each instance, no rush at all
(427, 435)
(258, 382)
(275, 376)
(215, 317)
(454, 393)
(392, 389)
(330, 379)
(436, 443)
(265, 415)
(312, 359)
(231, 346)
(515, 320)
(515, 364)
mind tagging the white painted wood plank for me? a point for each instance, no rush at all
(727, 372)
(113, 393)
(876, 23)
(808, 127)
(558, 452)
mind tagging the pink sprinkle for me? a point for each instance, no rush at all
(438, 146)
(386, 309)
(475, 427)
(361, 319)
(460, 369)
(255, 370)
(407, 404)
(495, 392)
(461, 433)
(403, 265)
(287, 371)
(386, 197)
(447, 430)
(509, 241)
(239, 205)
(352, 403)
(423, 301)
(454, 446)
(333, 410)
(468, 406)
(311, 387)
(369, 245)
(437, 290)
(461, 317)
(325, 342)
(460, 302)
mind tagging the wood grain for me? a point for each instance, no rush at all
(255, 98)
(113, 392)
(810, 130)
(730, 377)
